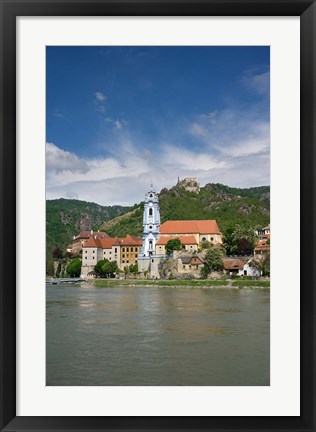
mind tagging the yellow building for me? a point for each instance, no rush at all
(201, 230)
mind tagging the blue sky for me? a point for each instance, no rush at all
(117, 117)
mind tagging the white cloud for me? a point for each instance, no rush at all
(100, 96)
(59, 160)
(259, 83)
(198, 130)
(229, 146)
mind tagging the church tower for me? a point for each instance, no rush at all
(151, 224)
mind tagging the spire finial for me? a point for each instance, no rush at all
(151, 183)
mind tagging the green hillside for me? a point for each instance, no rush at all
(229, 206)
(66, 218)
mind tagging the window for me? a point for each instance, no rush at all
(212, 238)
(152, 260)
(131, 249)
(123, 261)
(92, 257)
(127, 249)
(94, 251)
(86, 251)
(123, 250)
(150, 212)
(110, 252)
(123, 256)
(85, 257)
(115, 250)
(127, 261)
(203, 238)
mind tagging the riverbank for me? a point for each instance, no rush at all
(183, 283)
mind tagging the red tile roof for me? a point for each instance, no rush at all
(87, 235)
(107, 243)
(263, 245)
(190, 227)
(185, 240)
(93, 242)
(130, 241)
(233, 264)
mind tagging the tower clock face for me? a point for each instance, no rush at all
(150, 204)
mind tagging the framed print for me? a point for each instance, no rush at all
(127, 95)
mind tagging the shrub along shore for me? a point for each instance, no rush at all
(183, 283)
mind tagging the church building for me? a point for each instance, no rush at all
(147, 259)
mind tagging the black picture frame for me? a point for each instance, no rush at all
(10, 9)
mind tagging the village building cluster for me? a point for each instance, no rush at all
(148, 251)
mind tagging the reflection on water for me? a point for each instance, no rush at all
(157, 336)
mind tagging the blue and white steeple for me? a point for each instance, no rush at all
(151, 223)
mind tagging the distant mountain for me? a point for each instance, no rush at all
(66, 218)
(229, 206)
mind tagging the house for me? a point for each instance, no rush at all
(202, 230)
(189, 243)
(263, 246)
(81, 239)
(122, 250)
(264, 231)
(249, 270)
(190, 263)
(233, 265)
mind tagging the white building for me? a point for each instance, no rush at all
(147, 258)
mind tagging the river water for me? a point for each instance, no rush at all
(157, 336)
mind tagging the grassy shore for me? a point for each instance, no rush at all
(188, 283)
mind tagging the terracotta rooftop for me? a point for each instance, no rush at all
(233, 264)
(88, 234)
(108, 242)
(185, 240)
(190, 227)
(130, 241)
(263, 245)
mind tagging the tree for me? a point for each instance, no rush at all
(133, 268)
(262, 264)
(245, 246)
(58, 270)
(109, 268)
(106, 268)
(74, 268)
(239, 240)
(173, 244)
(57, 253)
(213, 261)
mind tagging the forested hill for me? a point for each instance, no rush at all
(66, 217)
(229, 206)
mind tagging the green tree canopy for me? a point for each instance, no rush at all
(74, 268)
(106, 268)
(240, 240)
(173, 244)
(57, 253)
(213, 261)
